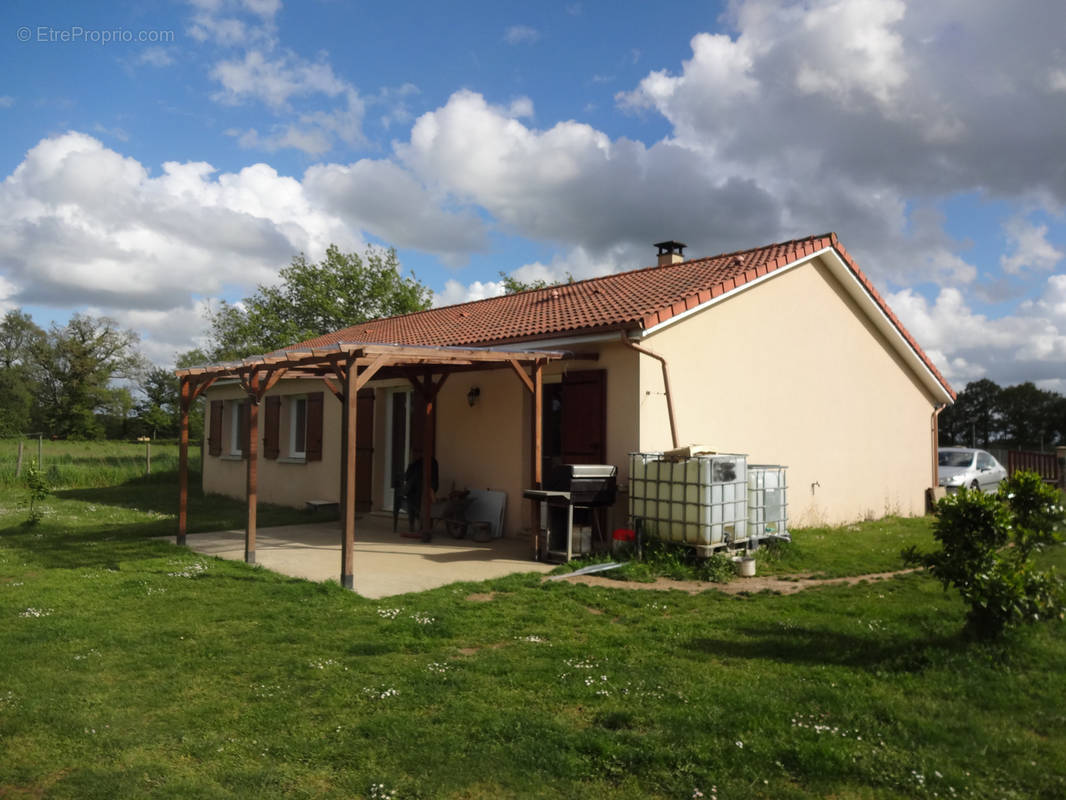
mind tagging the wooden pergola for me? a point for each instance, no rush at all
(346, 368)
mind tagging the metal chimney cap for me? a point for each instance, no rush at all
(670, 247)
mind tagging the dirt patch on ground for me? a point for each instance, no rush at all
(789, 585)
(481, 597)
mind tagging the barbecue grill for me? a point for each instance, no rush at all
(570, 486)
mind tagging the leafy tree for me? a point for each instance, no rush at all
(192, 358)
(16, 401)
(19, 335)
(157, 413)
(1027, 416)
(76, 364)
(986, 552)
(1022, 416)
(18, 338)
(511, 284)
(313, 299)
(975, 415)
(116, 412)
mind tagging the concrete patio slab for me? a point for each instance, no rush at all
(386, 563)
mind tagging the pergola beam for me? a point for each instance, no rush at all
(199, 387)
(332, 385)
(521, 373)
(325, 358)
(273, 376)
(371, 369)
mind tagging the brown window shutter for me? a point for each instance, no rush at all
(314, 426)
(242, 432)
(214, 436)
(272, 427)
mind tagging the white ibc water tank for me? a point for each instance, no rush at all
(701, 500)
(767, 501)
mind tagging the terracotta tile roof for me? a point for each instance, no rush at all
(638, 299)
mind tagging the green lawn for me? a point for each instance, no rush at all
(858, 549)
(132, 668)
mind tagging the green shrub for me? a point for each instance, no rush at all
(37, 491)
(987, 546)
(716, 568)
(659, 559)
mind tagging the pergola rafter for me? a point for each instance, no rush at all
(344, 369)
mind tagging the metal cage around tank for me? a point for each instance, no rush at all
(701, 501)
(767, 501)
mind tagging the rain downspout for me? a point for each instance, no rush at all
(666, 385)
(934, 425)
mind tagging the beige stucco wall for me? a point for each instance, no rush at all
(279, 481)
(488, 446)
(792, 372)
(484, 446)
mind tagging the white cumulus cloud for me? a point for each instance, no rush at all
(82, 225)
(1031, 249)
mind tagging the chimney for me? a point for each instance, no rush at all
(670, 253)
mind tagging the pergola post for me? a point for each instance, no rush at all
(351, 392)
(252, 476)
(538, 442)
(342, 489)
(538, 426)
(535, 385)
(183, 462)
(428, 453)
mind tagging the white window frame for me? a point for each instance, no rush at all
(234, 408)
(294, 406)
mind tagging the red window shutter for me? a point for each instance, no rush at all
(242, 431)
(272, 427)
(314, 426)
(214, 436)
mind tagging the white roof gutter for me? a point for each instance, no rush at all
(562, 343)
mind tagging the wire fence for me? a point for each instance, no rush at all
(91, 464)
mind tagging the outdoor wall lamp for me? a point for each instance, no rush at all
(473, 396)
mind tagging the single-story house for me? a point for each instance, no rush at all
(786, 353)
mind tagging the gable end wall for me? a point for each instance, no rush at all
(792, 372)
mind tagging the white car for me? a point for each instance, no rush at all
(965, 467)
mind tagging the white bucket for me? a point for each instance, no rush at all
(746, 567)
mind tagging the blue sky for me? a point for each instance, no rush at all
(157, 156)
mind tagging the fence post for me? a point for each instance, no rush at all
(40, 451)
(1060, 454)
(18, 464)
(148, 457)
